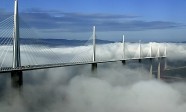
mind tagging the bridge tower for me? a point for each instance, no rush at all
(94, 65)
(123, 61)
(16, 76)
(165, 57)
(140, 51)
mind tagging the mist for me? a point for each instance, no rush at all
(113, 88)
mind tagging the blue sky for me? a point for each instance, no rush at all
(147, 20)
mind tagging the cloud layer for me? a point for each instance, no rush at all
(34, 55)
(113, 88)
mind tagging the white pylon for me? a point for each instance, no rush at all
(123, 47)
(16, 40)
(165, 52)
(165, 55)
(139, 49)
(158, 55)
(94, 44)
(150, 50)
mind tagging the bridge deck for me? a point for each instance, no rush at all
(45, 66)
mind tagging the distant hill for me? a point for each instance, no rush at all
(58, 42)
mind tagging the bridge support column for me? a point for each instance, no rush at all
(17, 79)
(151, 72)
(151, 75)
(139, 60)
(159, 70)
(165, 63)
(123, 62)
(94, 67)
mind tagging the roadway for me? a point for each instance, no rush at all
(45, 66)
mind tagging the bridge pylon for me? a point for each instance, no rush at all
(16, 76)
(123, 61)
(94, 65)
(165, 55)
(139, 51)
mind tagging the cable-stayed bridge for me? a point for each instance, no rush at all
(11, 33)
